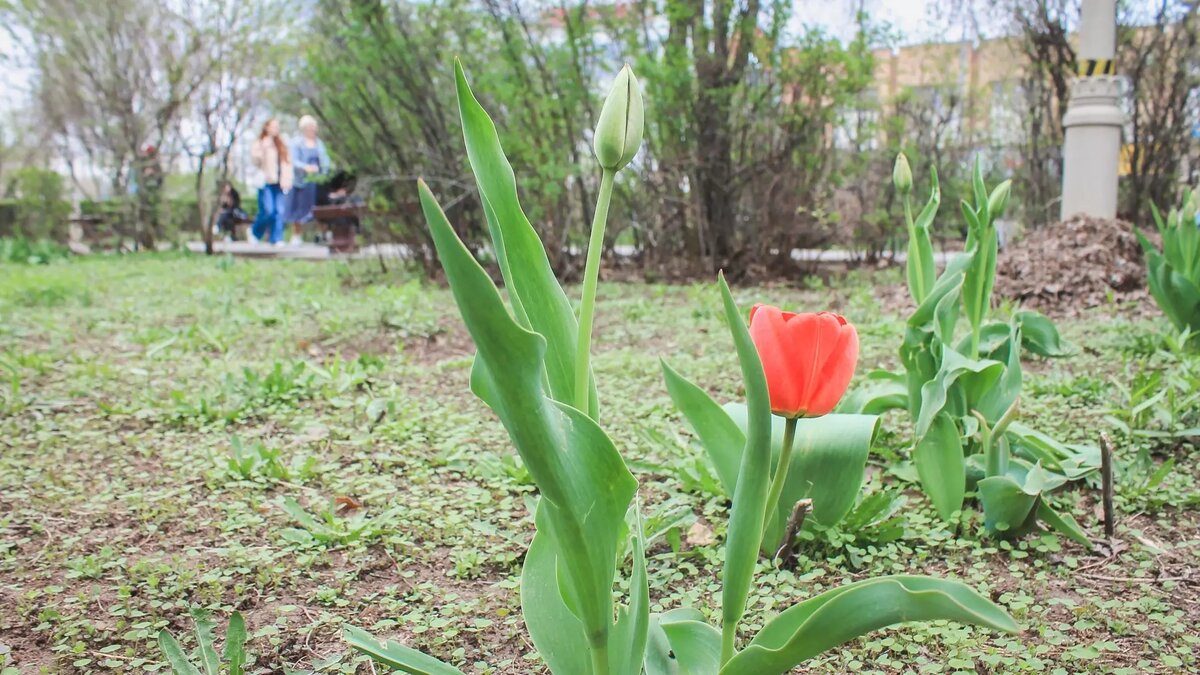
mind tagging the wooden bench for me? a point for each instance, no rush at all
(341, 220)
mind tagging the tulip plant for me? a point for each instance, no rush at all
(963, 393)
(532, 370)
(808, 360)
(1174, 272)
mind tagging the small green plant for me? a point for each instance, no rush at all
(205, 654)
(1174, 272)
(262, 461)
(334, 526)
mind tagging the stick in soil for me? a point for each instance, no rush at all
(787, 551)
(1106, 477)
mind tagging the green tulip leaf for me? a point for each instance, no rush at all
(750, 494)
(938, 456)
(397, 656)
(681, 643)
(920, 268)
(630, 635)
(718, 434)
(1177, 295)
(1072, 461)
(975, 378)
(994, 401)
(1006, 505)
(949, 281)
(828, 464)
(537, 297)
(842, 614)
(1039, 335)
(883, 391)
(555, 630)
(585, 485)
(1064, 523)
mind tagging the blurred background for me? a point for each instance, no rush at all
(771, 126)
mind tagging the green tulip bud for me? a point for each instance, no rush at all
(902, 175)
(999, 199)
(619, 129)
(1189, 209)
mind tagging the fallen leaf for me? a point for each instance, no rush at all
(700, 534)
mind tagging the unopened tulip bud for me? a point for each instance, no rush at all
(619, 129)
(999, 199)
(902, 175)
(1189, 209)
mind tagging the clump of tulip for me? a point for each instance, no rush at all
(962, 393)
(1173, 273)
(532, 370)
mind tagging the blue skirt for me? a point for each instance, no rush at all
(301, 202)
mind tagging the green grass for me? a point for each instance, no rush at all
(176, 432)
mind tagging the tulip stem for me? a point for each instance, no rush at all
(600, 660)
(587, 304)
(781, 470)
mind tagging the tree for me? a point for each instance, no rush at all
(1159, 55)
(111, 79)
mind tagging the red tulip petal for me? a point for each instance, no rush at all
(771, 337)
(836, 372)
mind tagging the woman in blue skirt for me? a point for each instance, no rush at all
(310, 160)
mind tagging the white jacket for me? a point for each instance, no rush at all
(271, 171)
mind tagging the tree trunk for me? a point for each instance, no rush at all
(206, 230)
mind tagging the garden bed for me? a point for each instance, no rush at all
(120, 506)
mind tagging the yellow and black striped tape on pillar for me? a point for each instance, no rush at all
(1097, 67)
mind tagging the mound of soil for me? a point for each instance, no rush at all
(1065, 268)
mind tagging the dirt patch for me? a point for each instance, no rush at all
(1081, 263)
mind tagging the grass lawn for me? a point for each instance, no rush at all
(297, 441)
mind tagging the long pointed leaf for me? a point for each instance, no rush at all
(750, 494)
(235, 643)
(174, 654)
(633, 622)
(842, 614)
(397, 656)
(718, 434)
(203, 627)
(938, 456)
(530, 277)
(556, 632)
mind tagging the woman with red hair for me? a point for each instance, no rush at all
(270, 154)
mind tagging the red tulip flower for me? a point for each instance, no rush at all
(808, 359)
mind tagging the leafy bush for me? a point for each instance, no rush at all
(38, 209)
(31, 252)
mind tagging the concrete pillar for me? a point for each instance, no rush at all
(1094, 119)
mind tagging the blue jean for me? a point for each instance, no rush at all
(272, 205)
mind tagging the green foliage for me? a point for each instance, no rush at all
(962, 394)
(30, 252)
(234, 653)
(1174, 272)
(40, 209)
